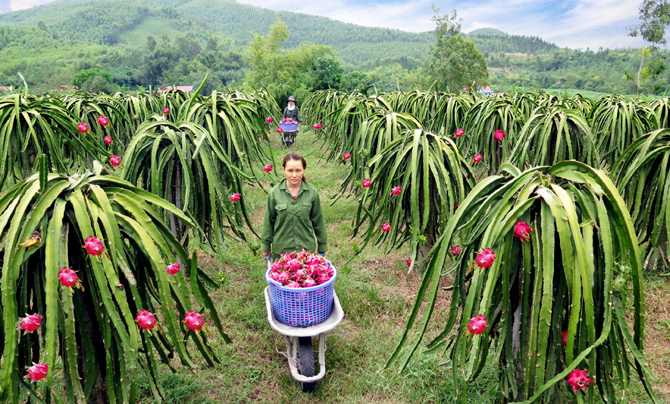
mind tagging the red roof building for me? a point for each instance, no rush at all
(485, 90)
(6, 88)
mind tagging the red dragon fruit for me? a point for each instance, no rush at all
(94, 246)
(30, 323)
(146, 320)
(173, 268)
(301, 270)
(194, 321)
(37, 372)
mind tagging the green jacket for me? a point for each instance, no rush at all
(292, 224)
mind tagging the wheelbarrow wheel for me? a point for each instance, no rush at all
(307, 362)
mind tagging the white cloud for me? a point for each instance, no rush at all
(575, 23)
(16, 5)
(571, 23)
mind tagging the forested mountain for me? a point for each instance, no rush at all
(50, 43)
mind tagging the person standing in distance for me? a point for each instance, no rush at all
(291, 112)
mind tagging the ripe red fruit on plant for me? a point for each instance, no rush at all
(499, 135)
(269, 119)
(194, 321)
(235, 197)
(68, 278)
(146, 320)
(456, 251)
(318, 126)
(564, 340)
(173, 268)
(477, 325)
(579, 380)
(108, 140)
(166, 110)
(267, 168)
(280, 130)
(103, 120)
(30, 323)
(115, 160)
(485, 258)
(83, 128)
(386, 227)
(94, 246)
(522, 230)
(37, 372)
(396, 191)
(409, 262)
(459, 132)
(347, 156)
(477, 158)
(366, 183)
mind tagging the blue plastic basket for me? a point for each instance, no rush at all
(302, 307)
(289, 126)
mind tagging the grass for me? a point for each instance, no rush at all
(376, 294)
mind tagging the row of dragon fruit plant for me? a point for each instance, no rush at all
(100, 196)
(543, 210)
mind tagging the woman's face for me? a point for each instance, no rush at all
(294, 172)
(290, 103)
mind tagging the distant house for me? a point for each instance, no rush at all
(6, 88)
(187, 89)
(486, 90)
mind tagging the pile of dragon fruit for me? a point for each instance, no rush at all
(286, 120)
(301, 270)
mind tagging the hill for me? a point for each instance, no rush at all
(128, 22)
(112, 34)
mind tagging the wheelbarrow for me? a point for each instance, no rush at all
(299, 349)
(289, 132)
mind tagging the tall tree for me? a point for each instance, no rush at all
(295, 71)
(654, 17)
(455, 61)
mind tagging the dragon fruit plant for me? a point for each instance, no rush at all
(301, 270)
(536, 283)
(95, 250)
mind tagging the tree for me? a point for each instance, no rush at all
(290, 72)
(355, 80)
(88, 74)
(151, 43)
(212, 44)
(328, 73)
(654, 17)
(455, 62)
(98, 84)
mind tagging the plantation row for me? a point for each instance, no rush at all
(537, 191)
(136, 179)
(441, 144)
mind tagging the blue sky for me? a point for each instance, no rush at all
(571, 23)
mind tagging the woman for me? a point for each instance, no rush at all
(291, 112)
(293, 216)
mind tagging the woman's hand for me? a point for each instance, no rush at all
(267, 255)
